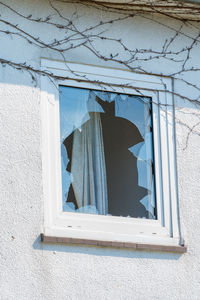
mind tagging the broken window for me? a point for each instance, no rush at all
(107, 153)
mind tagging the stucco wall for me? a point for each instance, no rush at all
(32, 270)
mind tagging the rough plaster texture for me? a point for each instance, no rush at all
(31, 270)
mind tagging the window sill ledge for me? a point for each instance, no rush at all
(115, 244)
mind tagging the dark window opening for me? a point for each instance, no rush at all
(107, 153)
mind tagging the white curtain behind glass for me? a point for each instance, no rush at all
(88, 167)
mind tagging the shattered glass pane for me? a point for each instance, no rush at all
(107, 153)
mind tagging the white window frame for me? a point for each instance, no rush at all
(163, 231)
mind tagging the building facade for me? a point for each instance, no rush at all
(150, 52)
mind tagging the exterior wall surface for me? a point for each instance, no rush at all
(32, 270)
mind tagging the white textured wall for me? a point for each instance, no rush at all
(32, 270)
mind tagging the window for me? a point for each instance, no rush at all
(108, 156)
(106, 153)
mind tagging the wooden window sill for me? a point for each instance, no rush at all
(101, 243)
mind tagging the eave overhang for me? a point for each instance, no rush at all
(183, 10)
